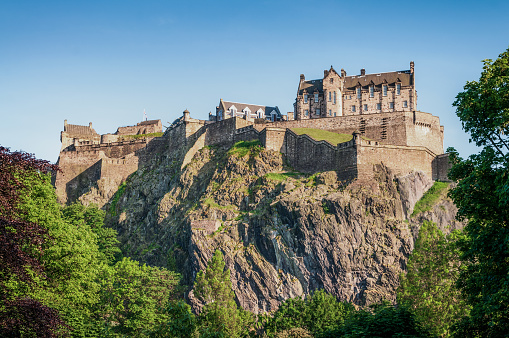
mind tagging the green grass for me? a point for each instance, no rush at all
(430, 198)
(116, 197)
(212, 204)
(280, 177)
(318, 135)
(134, 137)
(242, 148)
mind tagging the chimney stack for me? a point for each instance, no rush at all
(302, 78)
(412, 67)
(325, 73)
(363, 71)
(343, 73)
(90, 124)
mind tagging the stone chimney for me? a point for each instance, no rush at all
(363, 71)
(65, 125)
(90, 124)
(412, 64)
(186, 115)
(302, 78)
(343, 73)
(325, 73)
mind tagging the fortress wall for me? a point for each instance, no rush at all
(248, 133)
(424, 129)
(77, 168)
(400, 159)
(140, 128)
(307, 155)
(388, 128)
(441, 165)
(273, 139)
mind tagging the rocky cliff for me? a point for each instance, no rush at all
(284, 234)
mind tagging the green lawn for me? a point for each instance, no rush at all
(319, 135)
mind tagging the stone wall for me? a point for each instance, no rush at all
(208, 226)
(398, 128)
(145, 127)
(441, 166)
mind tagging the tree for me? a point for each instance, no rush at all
(220, 315)
(133, 296)
(317, 313)
(181, 322)
(21, 243)
(381, 320)
(429, 286)
(482, 198)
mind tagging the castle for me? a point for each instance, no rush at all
(377, 110)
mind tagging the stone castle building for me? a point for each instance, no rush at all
(377, 112)
(340, 95)
(228, 109)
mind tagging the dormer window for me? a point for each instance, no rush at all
(247, 111)
(358, 92)
(305, 98)
(316, 98)
(371, 91)
(398, 89)
(259, 114)
(385, 90)
(233, 110)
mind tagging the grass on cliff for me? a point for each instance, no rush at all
(430, 198)
(116, 198)
(138, 136)
(319, 135)
(242, 148)
(280, 177)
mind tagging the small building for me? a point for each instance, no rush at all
(228, 109)
(340, 95)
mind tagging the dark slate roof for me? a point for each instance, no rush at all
(253, 107)
(404, 76)
(311, 86)
(79, 130)
(149, 122)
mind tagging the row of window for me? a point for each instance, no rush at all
(359, 93)
(372, 91)
(318, 111)
(379, 106)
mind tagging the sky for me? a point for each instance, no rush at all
(106, 62)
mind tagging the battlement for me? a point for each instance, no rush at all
(405, 141)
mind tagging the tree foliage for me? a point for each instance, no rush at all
(482, 197)
(21, 242)
(316, 313)
(429, 288)
(220, 315)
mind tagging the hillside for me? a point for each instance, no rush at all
(283, 233)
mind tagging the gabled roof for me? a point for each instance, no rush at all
(405, 77)
(79, 130)
(252, 107)
(311, 86)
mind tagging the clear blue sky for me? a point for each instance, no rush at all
(106, 61)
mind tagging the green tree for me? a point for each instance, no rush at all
(316, 313)
(132, 297)
(93, 217)
(220, 315)
(428, 287)
(380, 321)
(181, 322)
(482, 198)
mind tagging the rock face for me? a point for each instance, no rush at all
(283, 234)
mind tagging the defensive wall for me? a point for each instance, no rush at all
(403, 141)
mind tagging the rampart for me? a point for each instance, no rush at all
(403, 141)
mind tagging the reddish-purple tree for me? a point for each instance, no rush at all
(20, 250)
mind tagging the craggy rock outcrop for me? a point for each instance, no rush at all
(283, 234)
